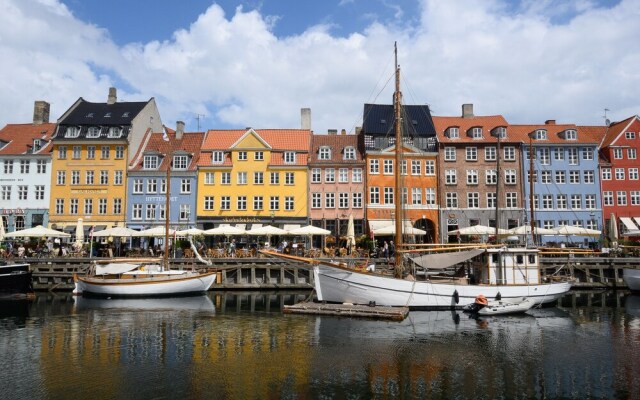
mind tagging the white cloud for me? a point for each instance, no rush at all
(529, 62)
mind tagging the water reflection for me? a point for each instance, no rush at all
(240, 345)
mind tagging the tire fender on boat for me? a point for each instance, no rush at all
(456, 296)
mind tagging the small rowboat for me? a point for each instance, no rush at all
(499, 307)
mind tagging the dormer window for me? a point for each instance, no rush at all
(72, 132)
(150, 162)
(541, 134)
(349, 153)
(289, 157)
(36, 145)
(115, 132)
(453, 132)
(107, 115)
(324, 153)
(125, 115)
(500, 132)
(93, 132)
(475, 133)
(217, 157)
(90, 115)
(570, 134)
(180, 162)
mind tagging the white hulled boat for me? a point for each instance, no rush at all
(631, 277)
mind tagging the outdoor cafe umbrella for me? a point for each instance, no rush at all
(266, 230)
(37, 232)
(406, 230)
(478, 230)
(613, 231)
(351, 232)
(526, 230)
(116, 231)
(79, 232)
(190, 232)
(158, 231)
(1, 230)
(225, 230)
(567, 230)
(309, 230)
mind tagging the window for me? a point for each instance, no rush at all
(576, 201)
(324, 153)
(288, 203)
(356, 175)
(620, 174)
(512, 199)
(451, 200)
(476, 133)
(119, 152)
(152, 186)
(209, 178)
(88, 206)
(185, 212)
(573, 156)
(241, 203)
(315, 175)
(274, 203)
(633, 174)
(430, 196)
(387, 167)
(558, 154)
(545, 177)
(343, 175)
(91, 152)
(258, 178)
(491, 177)
(356, 199)
(75, 152)
(416, 196)
(541, 134)
(102, 206)
(104, 152)
(388, 195)
(329, 200)
(316, 200)
(59, 206)
(258, 155)
(343, 200)
(545, 156)
(547, 202)
(617, 153)
(217, 157)
(349, 153)
(117, 206)
(630, 135)
(471, 153)
(589, 177)
(73, 206)
(374, 166)
(561, 202)
(570, 134)
(453, 132)
(607, 198)
(374, 195)
(180, 162)
(449, 153)
(258, 203)
(606, 174)
(61, 177)
(590, 201)
(532, 175)
(242, 156)
(329, 175)
(490, 153)
(450, 177)
(22, 192)
(136, 212)
(510, 153)
(561, 177)
(185, 186)
(429, 167)
(72, 132)
(289, 178)
(115, 132)
(93, 132)
(226, 178)
(621, 198)
(62, 153)
(574, 177)
(510, 176)
(587, 153)
(472, 177)
(104, 177)
(225, 203)
(241, 178)
(275, 178)
(635, 198)
(209, 202)
(8, 166)
(88, 177)
(24, 166)
(150, 162)
(289, 157)
(41, 166)
(416, 167)
(75, 177)
(491, 200)
(137, 186)
(39, 191)
(473, 200)
(163, 212)
(632, 153)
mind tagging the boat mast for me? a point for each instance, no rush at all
(499, 269)
(397, 101)
(167, 210)
(531, 196)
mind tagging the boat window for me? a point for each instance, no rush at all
(494, 258)
(532, 258)
(519, 259)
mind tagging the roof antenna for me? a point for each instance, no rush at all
(198, 117)
(606, 120)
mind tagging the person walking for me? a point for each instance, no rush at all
(385, 250)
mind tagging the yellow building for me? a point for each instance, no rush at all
(253, 177)
(92, 148)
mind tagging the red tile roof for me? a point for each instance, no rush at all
(487, 123)
(615, 130)
(337, 143)
(191, 142)
(20, 137)
(585, 134)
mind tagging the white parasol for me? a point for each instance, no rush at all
(225, 230)
(116, 231)
(158, 231)
(38, 232)
(351, 232)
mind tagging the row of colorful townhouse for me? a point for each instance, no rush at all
(108, 164)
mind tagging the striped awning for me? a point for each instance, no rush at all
(629, 224)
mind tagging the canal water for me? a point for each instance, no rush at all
(229, 345)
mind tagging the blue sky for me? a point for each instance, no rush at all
(257, 63)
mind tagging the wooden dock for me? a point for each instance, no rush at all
(348, 310)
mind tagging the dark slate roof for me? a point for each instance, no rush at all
(378, 120)
(102, 114)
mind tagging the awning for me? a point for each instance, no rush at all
(628, 223)
(241, 226)
(255, 226)
(445, 260)
(71, 229)
(637, 219)
(376, 224)
(98, 228)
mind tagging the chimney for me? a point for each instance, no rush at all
(40, 112)
(550, 122)
(467, 110)
(332, 131)
(343, 132)
(305, 116)
(179, 130)
(113, 96)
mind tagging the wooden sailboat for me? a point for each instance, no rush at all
(505, 273)
(146, 276)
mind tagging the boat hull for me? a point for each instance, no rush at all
(340, 285)
(15, 281)
(631, 277)
(163, 285)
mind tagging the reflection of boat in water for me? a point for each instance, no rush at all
(139, 278)
(632, 305)
(184, 303)
(631, 277)
(15, 280)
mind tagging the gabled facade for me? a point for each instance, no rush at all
(566, 184)
(25, 171)
(92, 148)
(619, 174)
(147, 180)
(254, 177)
(336, 183)
(468, 177)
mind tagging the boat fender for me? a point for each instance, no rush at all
(498, 297)
(372, 303)
(142, 268)
(481, 301)
(456, 296)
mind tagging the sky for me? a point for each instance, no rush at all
(235, 64)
